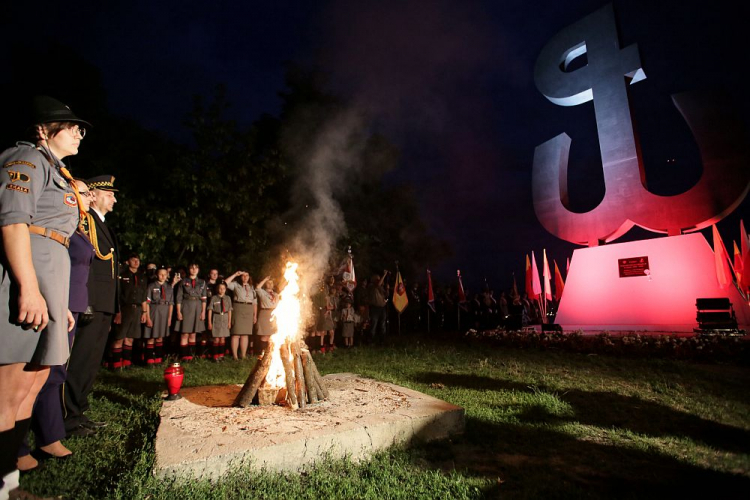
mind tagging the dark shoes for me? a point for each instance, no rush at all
(93, 424)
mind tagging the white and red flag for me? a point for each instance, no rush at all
(536, 286)
(347, 273)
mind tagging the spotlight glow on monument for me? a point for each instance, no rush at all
(677, 270)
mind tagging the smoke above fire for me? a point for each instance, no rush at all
(328, 163)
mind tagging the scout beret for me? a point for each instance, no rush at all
(45, 109)
(103, 182)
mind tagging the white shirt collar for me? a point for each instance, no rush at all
(101, 217)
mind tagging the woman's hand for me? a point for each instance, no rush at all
(71, 321)
(179, 315)
(32, 310)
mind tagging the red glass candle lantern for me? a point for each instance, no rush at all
(173, 374)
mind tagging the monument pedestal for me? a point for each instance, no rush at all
(611, 288)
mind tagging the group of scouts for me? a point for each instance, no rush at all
(156, 303)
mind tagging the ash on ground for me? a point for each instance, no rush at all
(203, 411)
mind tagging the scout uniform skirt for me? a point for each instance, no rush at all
(220, 323)
(191, 317)
(49, 346)
(347, 330)
(159, 318)
(325, 322)
(266, 327)
(242, 315)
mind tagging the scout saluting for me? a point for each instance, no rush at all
(39, 211)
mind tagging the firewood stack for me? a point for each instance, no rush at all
(304, 385)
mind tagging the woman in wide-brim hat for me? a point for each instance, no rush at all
(39, 211)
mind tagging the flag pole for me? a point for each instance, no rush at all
(458, 304)
(399, 312)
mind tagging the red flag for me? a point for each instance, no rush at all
(430, 295)
(744, 241)
(461, 294)
(536, 286)
(723, 273)
(559, 283)
(528, 287)
(738, 264)
(400, 300)
(547, 277)
(746, 276)
(567, 267)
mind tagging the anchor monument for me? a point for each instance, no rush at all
(649, 284)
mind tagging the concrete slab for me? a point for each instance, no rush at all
(202, 435)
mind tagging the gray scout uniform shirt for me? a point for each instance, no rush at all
(244, 294)
(33, 191)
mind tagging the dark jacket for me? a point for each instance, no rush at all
(103, 286)
(81, 255)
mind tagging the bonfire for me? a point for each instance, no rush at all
(286, 373)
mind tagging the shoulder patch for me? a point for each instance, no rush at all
(19, 162)
(70, 200)
(20, 189)
(18, 176)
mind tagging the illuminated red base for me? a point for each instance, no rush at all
(681, 269)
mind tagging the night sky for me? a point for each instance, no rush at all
(449, 82)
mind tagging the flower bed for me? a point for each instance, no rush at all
(703, 348)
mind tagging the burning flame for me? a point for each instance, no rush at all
(287, 317)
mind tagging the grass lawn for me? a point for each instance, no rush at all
(539, 424)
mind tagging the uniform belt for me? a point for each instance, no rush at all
(49, 233)
(266, 308)
(241, 302)
(192, 298)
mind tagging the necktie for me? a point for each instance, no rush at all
(222, 305)
(193, 281)
(135, 278)
(163, 295)
(247, 294)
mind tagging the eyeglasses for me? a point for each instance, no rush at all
(77, 130)
(87, 194)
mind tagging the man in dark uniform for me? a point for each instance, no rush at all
(91, 339)
(134, 312)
